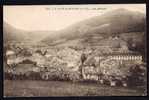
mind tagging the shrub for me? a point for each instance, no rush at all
(137, 76)
(74, 76)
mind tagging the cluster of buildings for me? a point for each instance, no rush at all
(72, 58)
(111, 64)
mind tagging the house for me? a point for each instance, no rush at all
(11, 56)
(10, 52)
(27, 61)
(26, 66)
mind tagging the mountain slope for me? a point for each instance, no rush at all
(111, 23)
(13, 34)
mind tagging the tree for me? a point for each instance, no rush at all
(4, 54)
(129, 44)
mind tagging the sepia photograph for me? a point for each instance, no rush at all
(74, 50)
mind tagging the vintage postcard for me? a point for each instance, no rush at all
(74, 50)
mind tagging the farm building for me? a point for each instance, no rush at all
(25, 66)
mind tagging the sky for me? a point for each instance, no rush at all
(57, 17)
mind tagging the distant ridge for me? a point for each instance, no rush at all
(13, 34)
(112, 23)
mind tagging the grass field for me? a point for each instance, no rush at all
(29, 88)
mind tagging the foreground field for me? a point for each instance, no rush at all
(29, 88)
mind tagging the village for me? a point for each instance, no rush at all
(66, 63)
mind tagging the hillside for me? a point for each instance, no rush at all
(129, 26)
(13, 34)
(111, 23)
